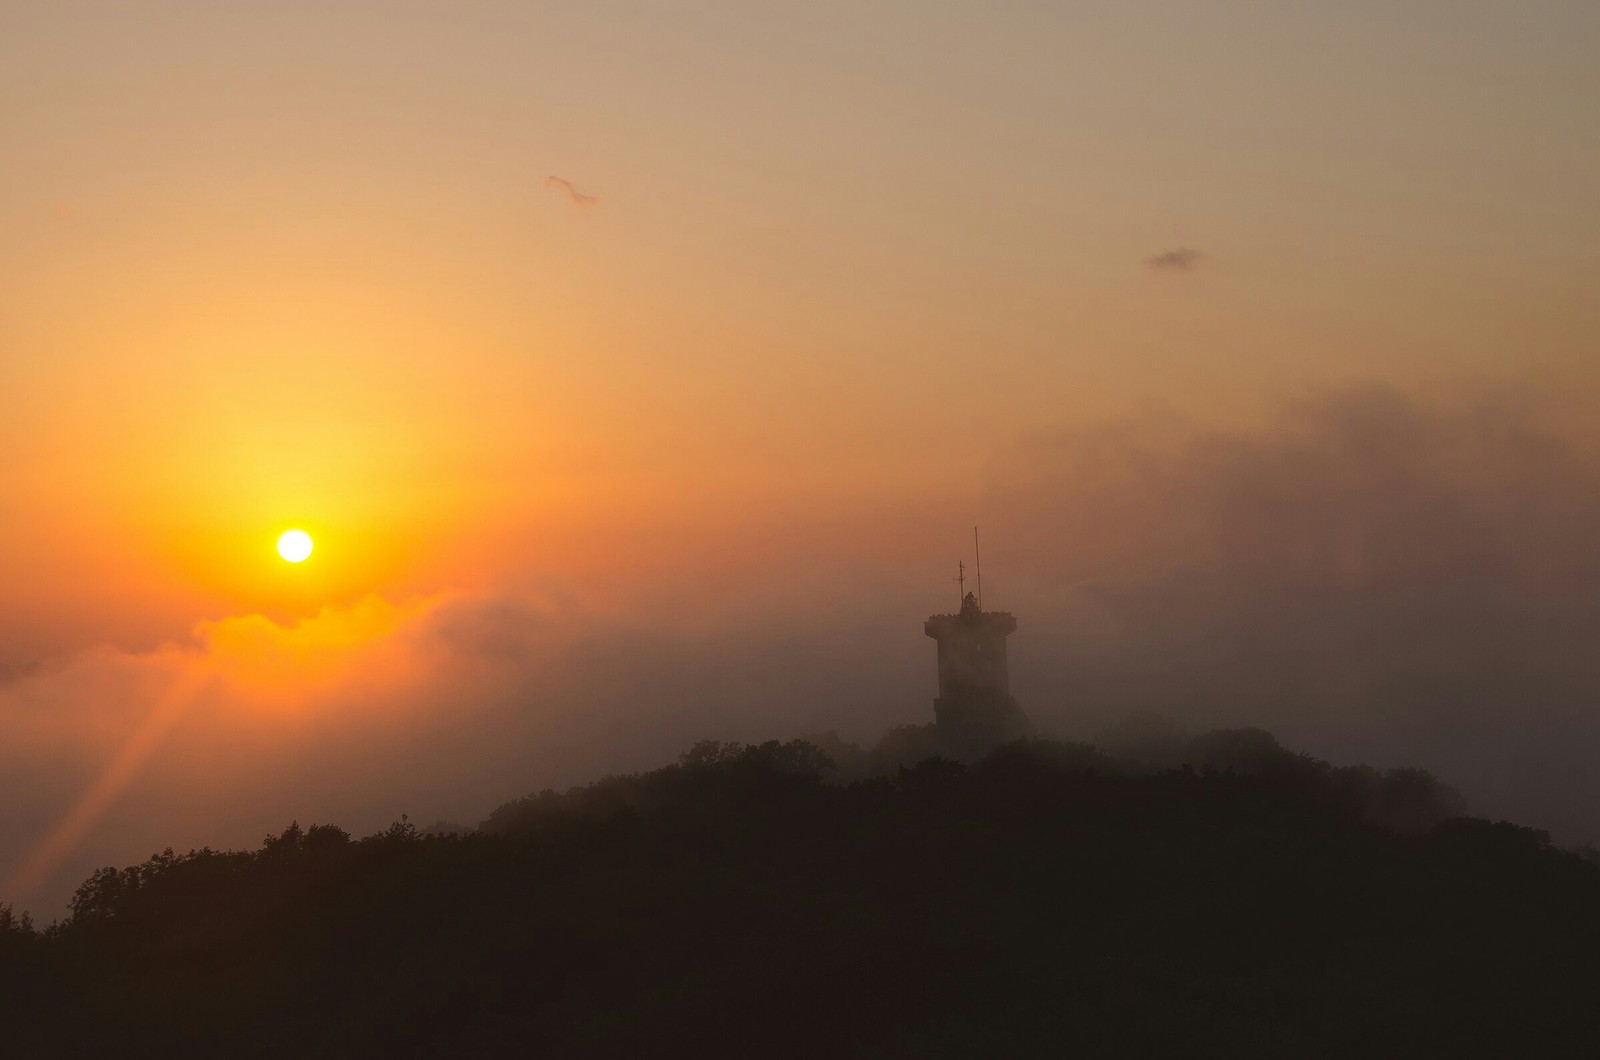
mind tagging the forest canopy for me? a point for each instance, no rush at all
(807, 897)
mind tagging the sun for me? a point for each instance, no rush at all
(294, 545)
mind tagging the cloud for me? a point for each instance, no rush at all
(439, 706)
(1374, 576)
(578, 198)
(103, 718)
(1182, 259)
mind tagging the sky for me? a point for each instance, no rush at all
(1259, 338)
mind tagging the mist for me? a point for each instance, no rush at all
(1373, 575)
(1376, 576)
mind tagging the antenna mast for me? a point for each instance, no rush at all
(979, 557)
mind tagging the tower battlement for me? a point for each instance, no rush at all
(972, 649)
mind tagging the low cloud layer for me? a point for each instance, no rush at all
(1375, 576)
(438, 707)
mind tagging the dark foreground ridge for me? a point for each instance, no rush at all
(1044, 900)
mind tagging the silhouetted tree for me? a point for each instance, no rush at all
(1040, 899)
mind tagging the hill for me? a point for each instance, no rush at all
(1045, 898)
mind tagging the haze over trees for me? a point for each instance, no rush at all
(1152, 894)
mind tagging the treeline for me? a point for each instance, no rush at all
(1159, 894)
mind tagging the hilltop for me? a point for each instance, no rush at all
(1207, 894)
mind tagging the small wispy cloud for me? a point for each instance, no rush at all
(1184, 259)
(578, 198)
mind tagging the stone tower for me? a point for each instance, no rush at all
(975, 704)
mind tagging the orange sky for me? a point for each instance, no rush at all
(298, 265)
